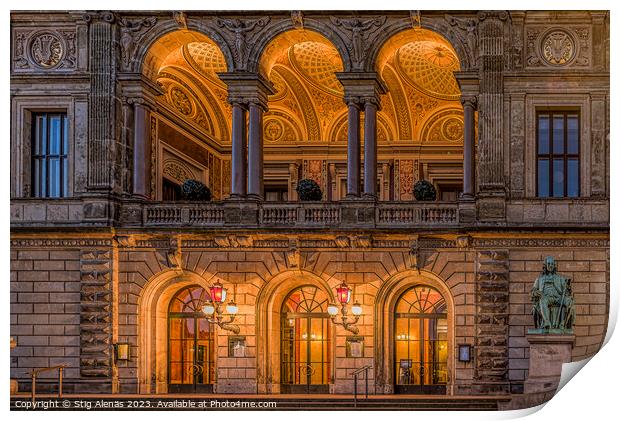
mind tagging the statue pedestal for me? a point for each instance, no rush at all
(548, 351)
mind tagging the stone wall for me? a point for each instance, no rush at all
(45, 313)
(54, 321)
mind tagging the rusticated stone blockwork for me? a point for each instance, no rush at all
(492, 297)
(96, 313)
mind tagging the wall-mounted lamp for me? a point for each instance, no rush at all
(215, 309)
(121, 351)
(343, 294)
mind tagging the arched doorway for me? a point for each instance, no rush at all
(421, 341)
(191, 345)
(305, 339)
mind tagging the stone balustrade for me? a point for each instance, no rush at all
(362, 214)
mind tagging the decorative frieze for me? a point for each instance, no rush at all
(539, 242)
(64, 242)
(96, 313)
(341, 241)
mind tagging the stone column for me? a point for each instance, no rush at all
(238, 161)
(255, 152)
(141, 151)
(370, 148)
(469, 147)
(353, 149)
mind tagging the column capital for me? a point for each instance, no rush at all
(245, 88)
(143, 102)
(361, 87)
(469, 100)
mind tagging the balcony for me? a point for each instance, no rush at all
(349, 214)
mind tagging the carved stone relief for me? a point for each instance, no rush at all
(44, 50)
(240, 33)
(359, 32)
(558, 47)
(176, 170)
(132, 30)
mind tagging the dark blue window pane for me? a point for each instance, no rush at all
(573, 178)
(543, 178)
(558, 134)
(36, 178)
(543, 134)
(54, 131)
(49, 152)
(558, 178)
(43, 179)
(65, 137)
(54, 177)
(573, 134)
(65, 177)
(40, 136)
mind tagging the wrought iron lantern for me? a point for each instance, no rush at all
(343, 295)
(215, 309)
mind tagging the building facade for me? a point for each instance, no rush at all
(505, 113)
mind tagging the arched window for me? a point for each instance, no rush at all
(421, 341)
(305, 341)
(191, 351)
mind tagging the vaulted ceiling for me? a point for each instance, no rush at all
(421, 104)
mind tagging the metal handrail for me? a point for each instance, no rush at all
(35, 373)
(355, 375)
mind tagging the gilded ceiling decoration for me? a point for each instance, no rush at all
(318, 64)
(429, 67)
(421, 104)
(206, 58)
(444, 126)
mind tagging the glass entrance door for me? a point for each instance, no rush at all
(305, 342)
(191, 353)
(421, 342)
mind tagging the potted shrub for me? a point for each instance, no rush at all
(309, 190)
(195, 190)
(424, 190)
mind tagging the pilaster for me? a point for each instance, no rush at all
(103, 163)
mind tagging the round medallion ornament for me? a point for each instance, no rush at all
(452, 129)
(273, 130)
(558, 48)
(181, 101)
(46, 50)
